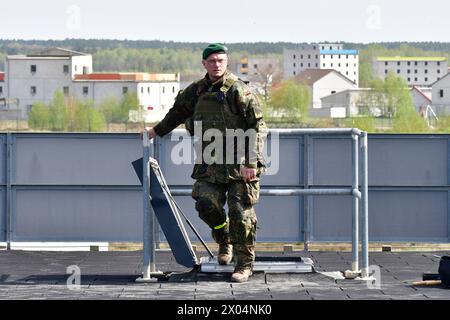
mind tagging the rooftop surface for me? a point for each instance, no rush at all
(111, 275)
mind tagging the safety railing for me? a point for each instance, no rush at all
(358, 190)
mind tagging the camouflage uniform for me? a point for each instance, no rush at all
(226, 104)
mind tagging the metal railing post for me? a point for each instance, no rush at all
(365, 206)
(148, 219)
(355, 208)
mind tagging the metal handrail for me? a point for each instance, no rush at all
(357, 191)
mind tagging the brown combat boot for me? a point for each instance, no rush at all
(241, 274)
(225, 253)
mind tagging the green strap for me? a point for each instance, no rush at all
(220, 226)
(228, 83)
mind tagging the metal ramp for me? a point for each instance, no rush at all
(170, 215)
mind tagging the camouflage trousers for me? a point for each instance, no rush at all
(239, 228)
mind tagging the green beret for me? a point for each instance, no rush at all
(214, 48)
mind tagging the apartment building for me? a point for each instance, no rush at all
(321, 56)
(417, 71)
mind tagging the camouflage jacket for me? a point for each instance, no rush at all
(240, 97)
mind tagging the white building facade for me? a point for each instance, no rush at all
(417, 71)
(321, 56)
(35, 78)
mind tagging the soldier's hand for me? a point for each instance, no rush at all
(249, 174)
(150, 132)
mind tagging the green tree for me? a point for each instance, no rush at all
(110, 108)
(59, 118)
(39, 117)
(292, 100)
(129, 102)
(87, 119)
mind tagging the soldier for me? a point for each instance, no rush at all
(221, 101)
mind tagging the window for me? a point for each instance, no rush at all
(398, 71)
(409, 79)
(66, 91)
(441, 93)
(438, 63)
(331, 48)
(148, 90)
(76, 68)
(85, 70)
(163, 89)
(173, 89)
(438, 71)
(66, 68)
(33, 68)
(85, 90)
(309, 65)
(415, 71)
(323, 56)
(331, 65)
(142, 89)
(294, 56)
(309, 56)
(416, 79)
(301, 56)
(333, 92)
(346, 64)
(385, 72)
(331, 56)
(33, 90)
(426, 63)
(294, 73)
(339, 65)
(323, 48)
(346, 56)
(255, 66)
(317, 56)
(426, 70)
(294, 65)
(317, 65)
(29, 108)
(314, 47)
(409, 71)
(426, 79)
(301, 64)
(1, 90)
(346, 73)
(398, 63)
(386, 63)
(409, 63)
(324, 65)
(124, 90)
(415, 63)
(339, 56)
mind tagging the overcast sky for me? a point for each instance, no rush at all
(228, 20)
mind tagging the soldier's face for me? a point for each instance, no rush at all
(216, 65)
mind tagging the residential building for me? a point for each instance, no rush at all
(35, 78)
(347, 103)
(441, 96)
(422, 98)
(321, 56)
(156, 92)
(323, 82)
(417, 71)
